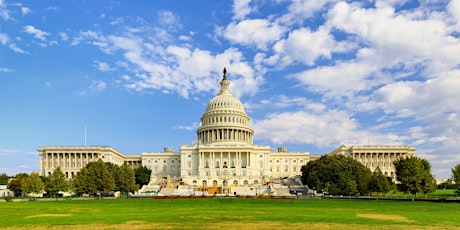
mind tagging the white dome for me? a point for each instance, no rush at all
(225, 119)
(225, 100)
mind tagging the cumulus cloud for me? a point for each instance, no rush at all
(241, 8)
(306, 46)
(328, 129)
(398, 38)
(344, 79)
(253, 32)
(39, 34)
(301, 10)
(174, 68)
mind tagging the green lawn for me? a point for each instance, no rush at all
(230, 213)
(438, 194)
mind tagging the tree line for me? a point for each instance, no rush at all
(336, 175)
(340, 175)
(92, 179)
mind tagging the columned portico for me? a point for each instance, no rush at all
(70, 159)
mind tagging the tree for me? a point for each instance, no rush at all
(33, 184)
(82, 182)
(115, 171)
(428, 182)
(379, 182)
(456, 177)
(101, 176)
(142, 175)
(414, 175)
(126, 180)
(56, 182)
(15, 184)
(94, 177)
(4, 179)
(337, 175)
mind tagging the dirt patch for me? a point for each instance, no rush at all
(49, 215)
(385, 217)
(135, 222)
(196, 217)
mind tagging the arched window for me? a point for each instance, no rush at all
(217, 164)
(235, 182)
(194, 182)
(256, 182)
(204, 183)
(214, 183)
(245, 182)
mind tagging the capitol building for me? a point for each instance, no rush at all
(223, 159)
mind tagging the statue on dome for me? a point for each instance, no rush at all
(225, 74)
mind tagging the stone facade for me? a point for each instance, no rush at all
(223, 156)
(373, 156)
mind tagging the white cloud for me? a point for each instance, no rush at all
(63, 36)
(454, 9)
(25, 10)
(5, 152)
(3, 38)
(306, 46)
(4, 12)
(102, 66)
(192, 127)
(414, 96)
(16, 49)
(5, 70)
(343, 79)
(402, 37)
(168, 20)
(301, 10)
(98, 85)
(241, 8)
(278, 102)
(253, 32)
(328, 129)
(36, 32)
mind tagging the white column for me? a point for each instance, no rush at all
(238, 160)
(47, 163)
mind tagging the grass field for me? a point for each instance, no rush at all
(230, 213)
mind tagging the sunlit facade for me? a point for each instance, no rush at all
(223, 156)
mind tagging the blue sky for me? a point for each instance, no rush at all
(312, 74)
